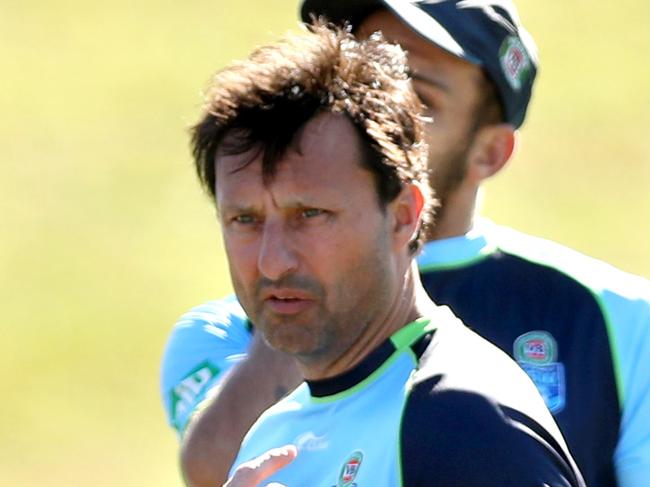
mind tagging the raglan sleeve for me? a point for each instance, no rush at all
(458, 437)
(204, 344)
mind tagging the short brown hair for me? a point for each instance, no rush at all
(267, 97)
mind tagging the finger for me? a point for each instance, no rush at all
(250, 473)
(273, 460)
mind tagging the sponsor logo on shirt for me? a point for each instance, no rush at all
(536, 353)
(184, 396)
(310, 442)
(350, 470)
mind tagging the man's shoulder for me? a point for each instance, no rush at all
(219, 312)
(623, 298)
(597, 275)
(458, 359)
(220, 322)
(204, 344)
(471, 407)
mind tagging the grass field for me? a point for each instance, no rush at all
(106, 238)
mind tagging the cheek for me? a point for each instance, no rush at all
(449, 129)
(346, 250)
(444, 142)
(242, 257)
(330, 258)
(439, 136)
(361, 282)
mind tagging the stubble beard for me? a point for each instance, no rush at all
(448, 174)
(334, 323)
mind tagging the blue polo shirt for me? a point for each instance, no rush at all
(433, 405)
(578, 327)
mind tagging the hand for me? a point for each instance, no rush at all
(251, 473)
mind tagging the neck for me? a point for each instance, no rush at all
(411, 303)
(456, 215)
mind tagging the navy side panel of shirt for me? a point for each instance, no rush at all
(480, 461)
(545, 299)
(468, 421)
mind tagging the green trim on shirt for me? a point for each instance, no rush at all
(442, 266)
(408, 335)
(403, 338)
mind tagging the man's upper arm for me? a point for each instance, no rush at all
(204, 344)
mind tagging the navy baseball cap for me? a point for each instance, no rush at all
(487, 33)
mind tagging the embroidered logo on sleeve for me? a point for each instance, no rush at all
(536, 353)
(186, 395)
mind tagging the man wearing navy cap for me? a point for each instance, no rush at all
(579, 328)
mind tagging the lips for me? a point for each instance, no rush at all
(285, 294)
(286, 301)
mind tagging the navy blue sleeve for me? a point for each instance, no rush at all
(461, 438)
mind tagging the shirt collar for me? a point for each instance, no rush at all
(456, 251)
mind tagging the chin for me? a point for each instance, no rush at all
(293, 340)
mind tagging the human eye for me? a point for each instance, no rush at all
(311, 212)
(244, 219)
(429, 102)
(429, 95)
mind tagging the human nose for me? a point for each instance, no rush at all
(277, 256)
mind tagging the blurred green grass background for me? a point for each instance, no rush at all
(106, 238)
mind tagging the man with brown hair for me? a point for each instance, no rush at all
(314, 153)
(578, 327)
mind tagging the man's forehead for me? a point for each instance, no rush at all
(431, 67)
(395, 30)
(325, 170)
(322, 137)
(327, 133)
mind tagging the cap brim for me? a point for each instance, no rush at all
(419, 21)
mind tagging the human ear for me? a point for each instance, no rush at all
(406, 210)
(492, 148)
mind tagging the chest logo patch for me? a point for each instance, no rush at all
(350, 469)
(536, 353)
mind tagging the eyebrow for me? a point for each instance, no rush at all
(234, 208)
(298, 203)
